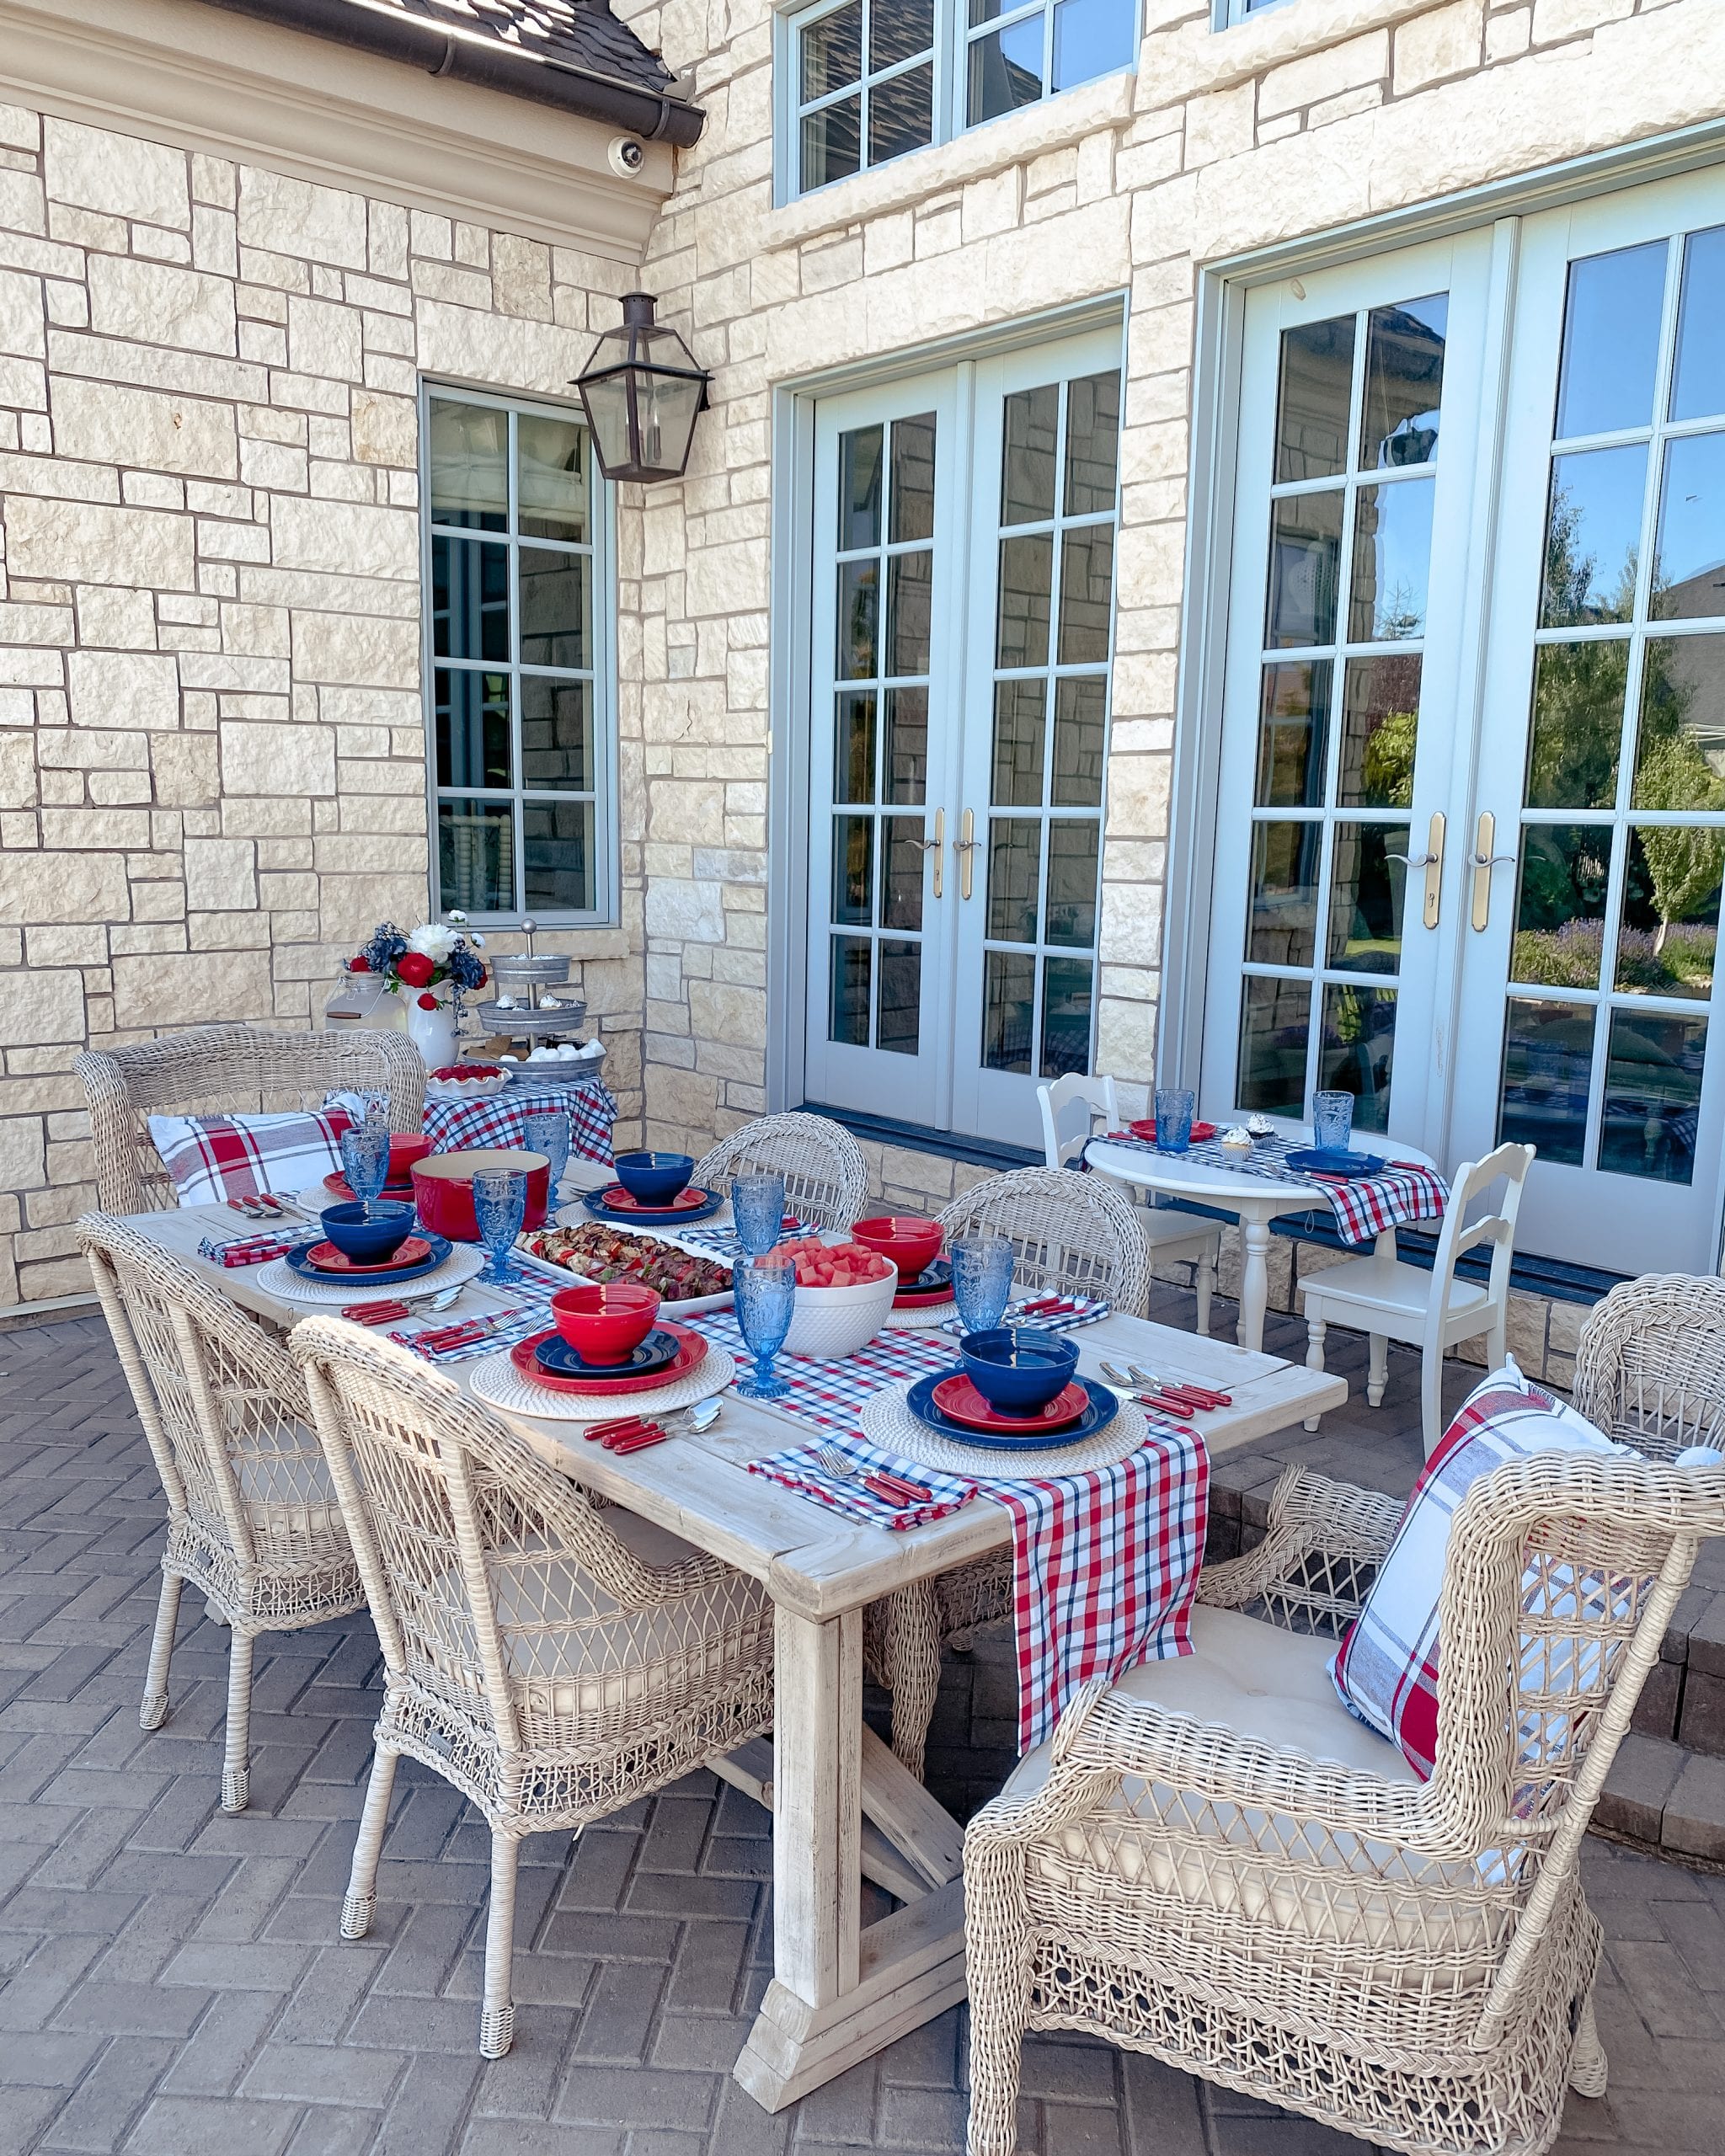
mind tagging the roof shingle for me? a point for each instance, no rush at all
(582, 34)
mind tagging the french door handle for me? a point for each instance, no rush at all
(936, 845)
(1482, 861)
(964, 845)
(1432, 861)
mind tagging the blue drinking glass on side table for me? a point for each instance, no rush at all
(1333, 1121)
(765, 1290)
(758, 1210)
(546, 1131)
(982, 1280)
(1174, 1110)
(499, 1208)
(365, 1160)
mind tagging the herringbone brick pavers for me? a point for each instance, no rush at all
(171, 1982)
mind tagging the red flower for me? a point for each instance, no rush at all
(416, 968)
(428, 1003)
(362, 965)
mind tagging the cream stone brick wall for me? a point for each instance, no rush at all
(212, 765)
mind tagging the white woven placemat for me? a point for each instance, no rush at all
(278, 1278)
(887, 1420)
(500, 1384)
(916, 1320)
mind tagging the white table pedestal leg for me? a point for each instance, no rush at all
(1254, 1281)
(839, 1993)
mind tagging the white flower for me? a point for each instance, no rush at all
(434, 941)
(457, 916)
(477, 942)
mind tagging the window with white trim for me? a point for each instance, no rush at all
(519, 704)
(872, 79)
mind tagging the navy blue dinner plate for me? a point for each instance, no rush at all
(936, 1279)
(1102, 1411)
(362, 1283)
(1330, 1161)
(658, 1349)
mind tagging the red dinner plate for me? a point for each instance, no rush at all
(691, 1350)
(327, 1258)
(959, 1402)
(616, 1199)
(909, 1299)
(338, 1187)
(1147, 1129)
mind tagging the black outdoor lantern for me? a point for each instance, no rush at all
(642, 392)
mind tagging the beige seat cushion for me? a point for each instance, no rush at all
(1366, 1907)
(288, 1494)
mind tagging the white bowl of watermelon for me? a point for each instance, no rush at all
(844, 1296)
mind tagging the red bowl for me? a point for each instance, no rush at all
(403, 1151)
(911, 1242)
(607, 1321)
(443, 1189)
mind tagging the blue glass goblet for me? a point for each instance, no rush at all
(758, 1210)
(766, 1289)
(982, 1280)
(546, 1131)
(1174, 1110)
(365, 1160)
(499, 1207)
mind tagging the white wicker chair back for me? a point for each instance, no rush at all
(1650, 1370)
(827, 1178)
(228, 1070)
(1074, 1234)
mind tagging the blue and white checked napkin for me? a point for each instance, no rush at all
(799, 1470)
(722, 1241)
(1073, 1310)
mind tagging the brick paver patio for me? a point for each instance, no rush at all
(171, 1981)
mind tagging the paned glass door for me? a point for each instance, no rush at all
(1355, 490)
(961, 635)
(1595, 920)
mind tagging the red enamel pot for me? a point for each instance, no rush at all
(443, 1189)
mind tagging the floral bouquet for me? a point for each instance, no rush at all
(422, 961)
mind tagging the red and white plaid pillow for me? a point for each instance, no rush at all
(1386, 1670)
(212, 1158)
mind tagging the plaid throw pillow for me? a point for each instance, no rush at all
(212, 1158)
(1386, 1670)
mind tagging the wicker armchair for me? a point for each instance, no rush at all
(1650, 1370)
(827, 1178)
(253, 1521)
(550, 1662)
(227, 1070)
(1214, 1863)
(1073, 1234)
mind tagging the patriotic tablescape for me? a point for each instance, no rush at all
(1364, 1206)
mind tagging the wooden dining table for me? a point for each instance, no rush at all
(843, 1808)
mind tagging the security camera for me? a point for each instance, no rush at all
(626, 156)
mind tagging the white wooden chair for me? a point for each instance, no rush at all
(1433, 1311)
(553, 1663)
(1073, 1108)
(253, 1521)
(1214, 1863)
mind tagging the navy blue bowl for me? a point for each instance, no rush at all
(1018, 1369)
(370, 1241)
(653, 1178)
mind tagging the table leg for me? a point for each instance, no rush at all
(839, 1993)
(1254, 1281)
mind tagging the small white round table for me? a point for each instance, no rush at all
(1253, 1200)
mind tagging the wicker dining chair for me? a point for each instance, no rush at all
(1650, 1368)
(827, 1178)
(1213, 1862)
(227, 1070)
(253, 1520)
(551, 1661)
(1073, 1235)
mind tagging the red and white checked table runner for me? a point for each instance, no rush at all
(453, 1125)
(1105, 1562)
(1363, 1205)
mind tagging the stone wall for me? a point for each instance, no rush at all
(1301, 119)
(212, 749)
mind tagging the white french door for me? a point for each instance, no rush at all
(961, 638)
(1588, 972)
(1477, 619)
